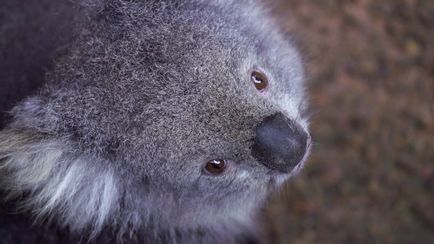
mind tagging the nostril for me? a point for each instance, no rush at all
(280, 143)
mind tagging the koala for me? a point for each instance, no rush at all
(155, 121)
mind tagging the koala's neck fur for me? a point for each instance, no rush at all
(57, 185)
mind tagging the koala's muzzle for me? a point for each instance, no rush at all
(280, 143)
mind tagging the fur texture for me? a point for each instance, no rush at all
(56, 180)
(146, 93)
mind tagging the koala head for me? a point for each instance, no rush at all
(162, 116)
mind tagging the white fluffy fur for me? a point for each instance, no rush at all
(55, 182)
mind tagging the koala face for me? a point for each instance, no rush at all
(162, 116)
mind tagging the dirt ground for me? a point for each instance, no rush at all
(370, 178)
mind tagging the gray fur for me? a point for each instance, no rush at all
(146, 94)
(58, 182)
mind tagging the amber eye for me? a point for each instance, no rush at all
(215, 166)
(260, 80)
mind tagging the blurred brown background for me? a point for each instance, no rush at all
(370, 178)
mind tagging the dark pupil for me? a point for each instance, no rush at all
(259, 80)
(215, 166)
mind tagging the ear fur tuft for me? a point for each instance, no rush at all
(55, 182)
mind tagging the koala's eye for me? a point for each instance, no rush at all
(259, 79)
(215, 166)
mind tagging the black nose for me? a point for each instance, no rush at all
(280, 143)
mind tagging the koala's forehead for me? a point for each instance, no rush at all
(238, 42)
(216, 42)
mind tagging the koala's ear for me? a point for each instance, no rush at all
(53, 181)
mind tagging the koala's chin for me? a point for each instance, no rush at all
(157, 121)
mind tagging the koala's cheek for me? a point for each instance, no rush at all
(243, 175)
(278, 181)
